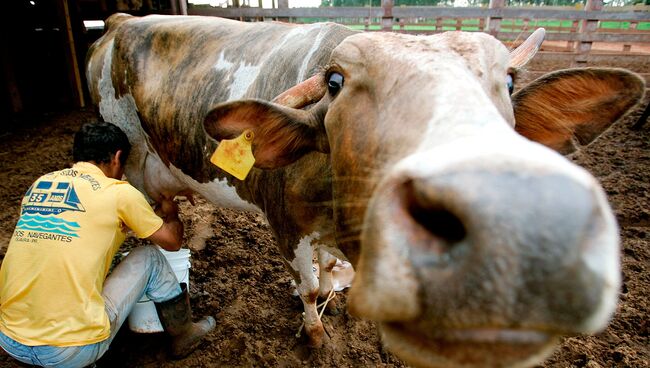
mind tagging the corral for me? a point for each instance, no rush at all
(238, 277)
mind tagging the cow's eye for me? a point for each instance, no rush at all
(510, 83)
(334, 83)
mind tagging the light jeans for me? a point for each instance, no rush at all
(145, 271)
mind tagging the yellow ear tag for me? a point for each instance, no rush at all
(235, 156)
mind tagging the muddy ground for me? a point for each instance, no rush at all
(238, 277)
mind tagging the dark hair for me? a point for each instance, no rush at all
(98, 142)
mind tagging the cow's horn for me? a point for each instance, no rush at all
(522, 54)
(303, 93)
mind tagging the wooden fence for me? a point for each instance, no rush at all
(578, 29)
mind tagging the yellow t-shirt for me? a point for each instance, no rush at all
(71, 225)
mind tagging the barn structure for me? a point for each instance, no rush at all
(44, 46)
(45, 41)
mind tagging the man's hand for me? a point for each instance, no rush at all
(170, 234)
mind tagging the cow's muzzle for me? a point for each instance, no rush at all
(489, 259)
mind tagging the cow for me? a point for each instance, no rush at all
(476, 243)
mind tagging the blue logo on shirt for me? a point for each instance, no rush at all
(46, 200)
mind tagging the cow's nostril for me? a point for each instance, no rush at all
(440, 223)
(433, 216)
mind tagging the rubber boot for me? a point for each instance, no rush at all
(176, 318)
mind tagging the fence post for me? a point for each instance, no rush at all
(387, 18)
(494, 23)
(628, 46)
(587, 27)
(182, 7)
(575, 27)
(283, 4)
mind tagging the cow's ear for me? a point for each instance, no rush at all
(281, 134)
(570, 108)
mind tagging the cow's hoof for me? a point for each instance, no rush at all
(315, 334)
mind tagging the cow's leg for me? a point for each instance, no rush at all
(307, 287)
(326, 263)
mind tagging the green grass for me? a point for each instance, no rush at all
(641, 26)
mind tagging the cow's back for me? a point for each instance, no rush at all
(166, 73)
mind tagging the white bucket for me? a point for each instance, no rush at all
(143, 317)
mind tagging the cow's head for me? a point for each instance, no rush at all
(478, 247)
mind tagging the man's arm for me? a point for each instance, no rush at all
(170, 235)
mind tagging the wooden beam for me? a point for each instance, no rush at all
(71, 55)
(592, 37)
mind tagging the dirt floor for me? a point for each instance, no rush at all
(238, 277)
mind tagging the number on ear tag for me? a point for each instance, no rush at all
(235, 156)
